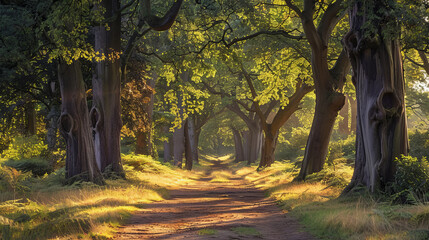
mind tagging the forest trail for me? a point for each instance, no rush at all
(232, 209)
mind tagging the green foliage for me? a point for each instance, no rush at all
(143, 163)
(35, 165)
(295, 140)
(246, 231)
(339, 149)
(332, 177)
(207, 231)
(12, 180)
(419, 144)
(23, 147)
(411, 184)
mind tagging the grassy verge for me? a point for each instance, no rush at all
(83, 210)
(316, 204)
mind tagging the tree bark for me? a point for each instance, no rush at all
(271, 130)
(246, 145)
(270, 144)
(343, 125)
(318, 141)
(328, 82)
(238, 145)
(381, 133)
(168, 145)
(179, 145)
(193, 138)
(255, 144)
(106, 111)
(52, 128)
(30, 117)
(197, 142)
(353, 108)
(74, 125)
(189, 144)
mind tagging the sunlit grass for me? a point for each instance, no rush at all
(207, 231)
(318, 207)
(85, 210)
(249, 231)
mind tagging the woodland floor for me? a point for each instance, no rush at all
(232, 209)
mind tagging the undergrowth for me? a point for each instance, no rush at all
(318, 205)
(49, 209)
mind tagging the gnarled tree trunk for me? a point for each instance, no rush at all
(74, 125)
(381, 133)
(106, 111)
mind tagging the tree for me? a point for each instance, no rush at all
(74, 125)
(328, 82)
(375, 56)
(106, 112)
(271, 128)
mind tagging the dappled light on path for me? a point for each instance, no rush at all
(228, 209)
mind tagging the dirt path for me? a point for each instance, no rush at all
(208, 210)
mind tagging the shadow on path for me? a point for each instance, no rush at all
(210, 210)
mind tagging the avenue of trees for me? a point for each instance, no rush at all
(174, 78)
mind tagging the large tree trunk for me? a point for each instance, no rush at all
(381, 133)
(270, 143)
(238, 144)
(106, 111)
(74, 125)
(327, 107)
(343, 125)
(328, 82)
(353, 108)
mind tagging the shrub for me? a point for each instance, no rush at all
(24, 147)
(419, 144)
(36, 165)
(411, 184)
(331, 177)
(12, 180)
(294, 144)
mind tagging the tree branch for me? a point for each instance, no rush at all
(425, 61)
(163, 23)
(329, 19)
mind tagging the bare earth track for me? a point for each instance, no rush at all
(207, 210)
